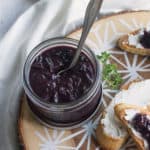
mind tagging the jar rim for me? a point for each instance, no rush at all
(40, 48)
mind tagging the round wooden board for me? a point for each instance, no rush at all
(102, 37)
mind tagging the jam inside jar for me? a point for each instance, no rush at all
(62, 100)
(64, 87)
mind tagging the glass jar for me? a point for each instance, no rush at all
(71, 114)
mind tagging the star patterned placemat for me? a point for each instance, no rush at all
(103, 37)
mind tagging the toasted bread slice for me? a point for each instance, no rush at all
(107, 139)
(108, 142)
(124, 45)
(120, 111)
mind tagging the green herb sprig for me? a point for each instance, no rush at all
(110, 73)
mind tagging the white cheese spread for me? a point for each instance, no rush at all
(137, 94)
(130, 113)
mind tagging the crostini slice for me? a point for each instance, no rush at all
(137, 121)
(136, 47)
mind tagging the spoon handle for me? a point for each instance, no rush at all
(90, 15)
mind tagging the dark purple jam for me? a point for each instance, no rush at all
(66, 87)
(145, 39)
(141, 124)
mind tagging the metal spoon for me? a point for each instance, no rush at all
(92, 11)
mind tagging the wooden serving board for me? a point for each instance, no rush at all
(103, 37)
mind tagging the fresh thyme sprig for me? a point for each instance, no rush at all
(110, 74)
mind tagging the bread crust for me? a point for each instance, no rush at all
(124, 45)
(106, 141)
(126, 86)
(120, 113)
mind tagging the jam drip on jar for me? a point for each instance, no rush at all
(145, 39)
(141, 124)
(66, 87)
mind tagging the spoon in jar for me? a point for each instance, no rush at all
(92, 11)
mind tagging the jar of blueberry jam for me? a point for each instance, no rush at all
(63, 100)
